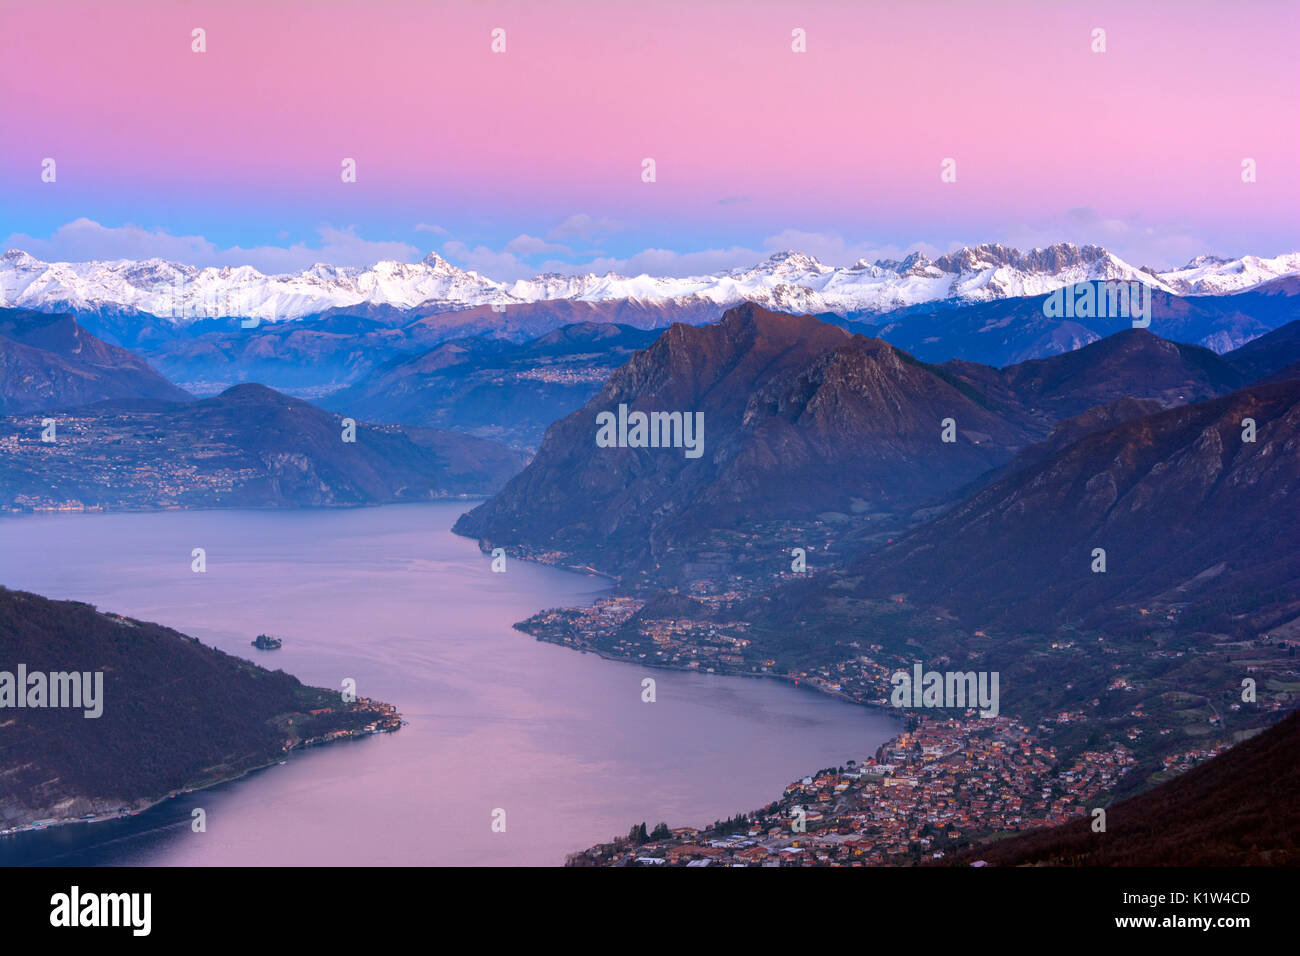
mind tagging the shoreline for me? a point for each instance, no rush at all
(37, 826)
(584, 570)
(840, 696)
(658, 665)
(8, 512)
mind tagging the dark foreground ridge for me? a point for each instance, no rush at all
(1237, 809)
(176, 715)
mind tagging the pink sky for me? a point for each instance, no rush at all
(845, 139)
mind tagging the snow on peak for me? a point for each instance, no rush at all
(787, 280)
(1214, 275)
(1203, 260)
(16, 259)
(792, 261)
(438, 263)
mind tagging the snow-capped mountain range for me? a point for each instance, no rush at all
(787, 282)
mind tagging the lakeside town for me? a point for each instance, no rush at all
(952, 777)
(113, 460)
(921, 794)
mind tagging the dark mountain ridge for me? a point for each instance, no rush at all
(793, 425)
(492, 387)
(804, 419)
(1269, 355)
(50, 361)
(1008, 331)
(1238, 808)
(1183, 507)
(175, 714)
(248, 447)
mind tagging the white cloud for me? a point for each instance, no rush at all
(1134, 241)
(84, 239)
(663, 262)
(503, 266)
(526, 245)
(585, 227)
(829, 248)
(833, 250)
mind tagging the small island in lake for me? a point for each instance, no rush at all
(266, 642)
(197, 716)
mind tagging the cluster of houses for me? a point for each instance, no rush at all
(937, 786)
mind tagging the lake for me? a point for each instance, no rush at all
(388, 596)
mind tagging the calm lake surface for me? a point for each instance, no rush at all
(388, 596)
